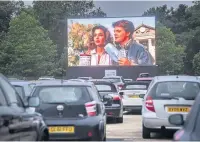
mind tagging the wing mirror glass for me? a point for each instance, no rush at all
(33, 102)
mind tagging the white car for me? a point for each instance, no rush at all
(130, 95)
(165, 96)
(117, 80)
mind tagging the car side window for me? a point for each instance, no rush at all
(98, 95)
(10, 91)
(3, 101)
(93, 93)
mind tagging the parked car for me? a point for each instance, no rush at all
(147, 79)
(23, 88)
(117, 80)
(167, 95)
(85, 78)
(190, 127)
(46, 78)
(111, 98)
(72, 110)
(16, 123)
(144, 75)
(131, 92)
(128, 80)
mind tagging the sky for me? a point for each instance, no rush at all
(130, 8)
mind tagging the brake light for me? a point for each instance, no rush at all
(178, 135)
(149, 104)
(120, 86)
(91, 108)
(116, 98)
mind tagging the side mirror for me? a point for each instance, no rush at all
(141, 95)
(176, 119)
(33, 102)
(121, 93)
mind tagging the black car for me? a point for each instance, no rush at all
(111, 99)
(16, 123)
(72, 110)
(191, 126)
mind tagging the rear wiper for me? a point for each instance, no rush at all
(175, 98)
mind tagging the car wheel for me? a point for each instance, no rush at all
(120, 119)
(146, 134)
(104, 139)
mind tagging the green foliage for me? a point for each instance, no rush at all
(27, 48)
(52, 13)
(196, 64)
(169, 55)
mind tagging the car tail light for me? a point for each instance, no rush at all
(91, 108)
(178, 135)
(149, 104)
(116, 98)
(120, 86)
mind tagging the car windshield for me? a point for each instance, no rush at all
(113, 80)
(63, 94)
(106, 88)
(135, 87)
(20, 91)
(172, 89)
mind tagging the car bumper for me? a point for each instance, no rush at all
(82, 128)
(132, 107)
(113, 112)
(151, 121)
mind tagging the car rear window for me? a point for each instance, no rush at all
(172, 89)
(135, 87)
(105, 88)
(63, 94)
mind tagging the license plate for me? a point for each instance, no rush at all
(61, 129)
(178, 109)
(135, 96)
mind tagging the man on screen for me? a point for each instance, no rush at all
(130, 52)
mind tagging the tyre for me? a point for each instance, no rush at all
(120, 119)
(146, 134)
(104, 139)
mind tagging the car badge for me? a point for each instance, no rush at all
(60, 107)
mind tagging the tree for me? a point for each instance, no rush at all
(7, 10)
(52, 13)
(196, 64)
(169, 55)
(28, 50)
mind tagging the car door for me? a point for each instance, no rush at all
(4, 127)
(21, 124)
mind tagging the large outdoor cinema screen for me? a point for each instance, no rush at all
(126, 41)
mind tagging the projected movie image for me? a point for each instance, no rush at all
(111, 41)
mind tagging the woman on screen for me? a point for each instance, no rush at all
(101, 37)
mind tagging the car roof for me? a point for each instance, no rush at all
(20, 83)
(137, 83)
(112, 76)
(144, 78)
(64, 83)
(101, 81)
(176, 78)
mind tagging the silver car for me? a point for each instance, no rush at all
(165, 96)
